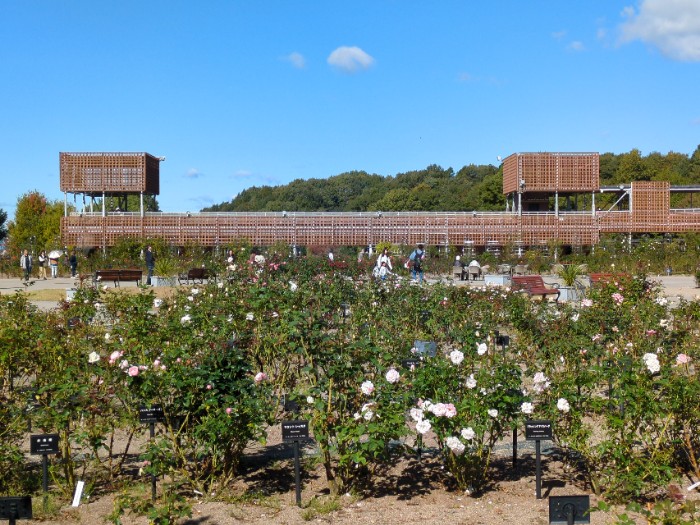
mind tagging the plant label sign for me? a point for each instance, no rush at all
(411, 362)
(569, 509)
(16, 508)
(537, 429)
(295, 430)
(426, 348)
(152, 414)
(43, 444)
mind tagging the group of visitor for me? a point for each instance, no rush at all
(26, 263)
(384, 268)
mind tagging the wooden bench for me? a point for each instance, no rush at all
(533, 285)
(118, 275)
(196, 275)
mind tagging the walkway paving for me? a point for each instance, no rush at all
(675, 286)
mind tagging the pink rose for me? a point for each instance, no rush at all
(229, 410)
(133, 371)
(682, 359)
(260, 376)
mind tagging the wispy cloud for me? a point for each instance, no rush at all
(468, 78)
(193, 173)
(672, 26)
(695, 121)
(574, 45)
(296, 59)
(350, 59)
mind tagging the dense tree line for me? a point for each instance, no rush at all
(473, 187)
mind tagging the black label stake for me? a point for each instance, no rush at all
(537, 430)
(294, 431)
(152, 415)
(44, 444)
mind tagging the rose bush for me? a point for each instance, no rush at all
(616, 374)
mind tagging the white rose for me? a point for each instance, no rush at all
(455, 445)
(416, 414)
(392, 375)
(456, 357)
(563, 405)
(423, 426)
(527, 408)
(468, 433)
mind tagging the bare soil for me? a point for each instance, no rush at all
(413, 490)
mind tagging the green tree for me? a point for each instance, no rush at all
(3, 226)
(129, 203)
(37, 224)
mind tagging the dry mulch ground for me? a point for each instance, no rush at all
(414, 490)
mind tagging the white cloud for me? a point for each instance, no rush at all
(577, 45)
(673, 26)
(193, 173)
(558, 35)
(296, 59)
(350, 59)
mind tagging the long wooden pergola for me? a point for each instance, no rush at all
(531, 181)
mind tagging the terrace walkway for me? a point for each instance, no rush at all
(675, 286)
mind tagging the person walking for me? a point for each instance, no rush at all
(25, 262)
(73, 263)
(150, 264)
(43, 263)
(384, 259)
(416, 258)
(53, 264)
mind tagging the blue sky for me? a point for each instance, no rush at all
(248, 93)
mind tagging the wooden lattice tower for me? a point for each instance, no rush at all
(535, 178)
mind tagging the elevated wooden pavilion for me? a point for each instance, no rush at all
(531, 182)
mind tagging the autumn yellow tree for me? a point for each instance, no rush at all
(37, 224)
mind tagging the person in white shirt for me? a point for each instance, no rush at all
(384, 258)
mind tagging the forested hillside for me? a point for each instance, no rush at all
(435, 188)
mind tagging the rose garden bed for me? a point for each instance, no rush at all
(614, 374)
